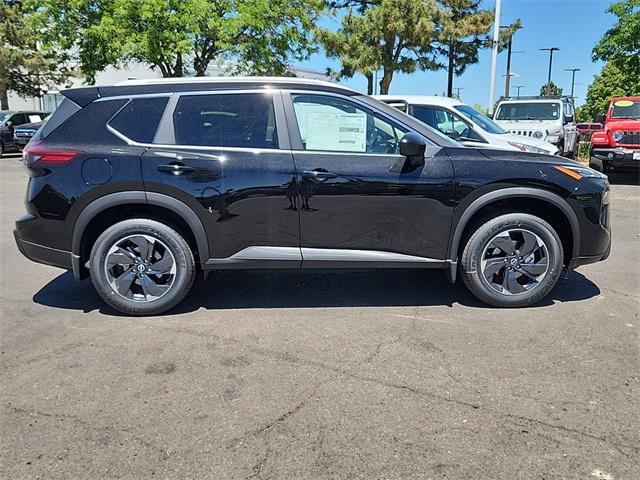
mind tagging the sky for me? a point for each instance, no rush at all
(575, 26)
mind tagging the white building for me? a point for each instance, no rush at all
(50, 100)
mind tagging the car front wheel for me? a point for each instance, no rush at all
(141, 267)
(513, 260)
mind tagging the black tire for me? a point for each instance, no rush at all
(518, 225)
(173, 286)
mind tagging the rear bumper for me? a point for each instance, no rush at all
(43, 254)
(620, 158)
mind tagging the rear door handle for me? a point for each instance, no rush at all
(175, 168)
(318, 173)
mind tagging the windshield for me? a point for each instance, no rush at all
(626, 109)
(480, 119)
(528, 111)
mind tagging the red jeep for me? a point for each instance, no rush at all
(618, 145)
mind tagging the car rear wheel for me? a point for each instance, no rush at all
(513, 260)
(141, 267)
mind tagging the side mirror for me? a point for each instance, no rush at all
(8, 124)
(568, 119)
(412, 145)
(600, 118)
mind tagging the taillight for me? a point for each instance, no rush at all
(40, 155)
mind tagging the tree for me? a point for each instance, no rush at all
(612, 82)
(462, 32)
(621, 44)
(181, 36)
(392, 35)
(24, 68)
(553, 90)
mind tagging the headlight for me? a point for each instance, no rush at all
(578, 172)
(617, 136)
(527, 148)
(537, 134)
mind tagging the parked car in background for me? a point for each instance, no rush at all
(9, 121)
(23, 133)
(544, 118)
(464, 123)
(143, 184)
(617, 147)
(589, 128)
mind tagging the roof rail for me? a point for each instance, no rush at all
(567, 98)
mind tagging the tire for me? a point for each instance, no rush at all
(148, 261)
(495, 278)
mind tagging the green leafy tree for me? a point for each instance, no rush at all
(181, 36)
(391, 35)
(463, 31)
(621, 44)
(550, 89)
(612, 82)
(25, 68)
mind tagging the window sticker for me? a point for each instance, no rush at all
(342, 132)
(34, 118)
(623, 103)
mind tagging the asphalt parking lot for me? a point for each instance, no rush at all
(383, 375)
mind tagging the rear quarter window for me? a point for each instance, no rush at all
(139, 119)
(88, 126)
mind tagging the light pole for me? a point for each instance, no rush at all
(509, 53)
(494, 55)
(519, 87)
(573, 78)
(550, 50)
(458, 91)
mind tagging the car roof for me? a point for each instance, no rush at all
(421, 100)
(533, 100)
(85, 95)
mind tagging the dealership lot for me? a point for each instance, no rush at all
(317, 375)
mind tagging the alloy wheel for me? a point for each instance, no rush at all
(514, 261)
(140, 268)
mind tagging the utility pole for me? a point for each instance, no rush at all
(550, 50)
(519, 87)
(494, 56)
(573, 78)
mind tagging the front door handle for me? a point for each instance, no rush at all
(318, 173)
(175, 168)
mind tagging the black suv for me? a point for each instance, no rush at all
(143, 184)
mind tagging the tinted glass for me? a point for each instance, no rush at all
(529, 111)
(480, 119)
(140, 118)
(226, 120)
(338, 125)
(88, 126)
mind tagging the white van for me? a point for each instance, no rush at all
(464, 123)
(544, 118)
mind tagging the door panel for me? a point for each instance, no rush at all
(365, 200)
(237, 175)
(367, 206)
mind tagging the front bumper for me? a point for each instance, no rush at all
(616, 158)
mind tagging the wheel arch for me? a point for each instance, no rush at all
(181, 213)
(495, 197)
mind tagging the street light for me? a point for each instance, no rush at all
(573, 77)
(494, 55)
(509, 53)
(519, 87)
(550, 50)
(458, 91)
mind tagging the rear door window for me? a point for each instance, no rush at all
(139, 119)
(245, 120)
